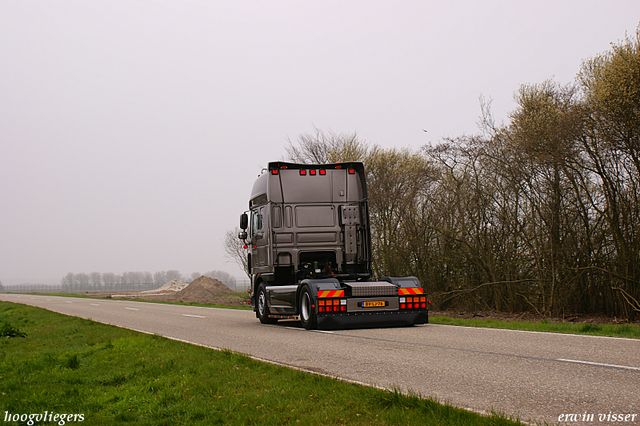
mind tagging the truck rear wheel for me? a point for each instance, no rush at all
(307, 309)
(263, 310)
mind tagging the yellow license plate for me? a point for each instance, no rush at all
(374, 304)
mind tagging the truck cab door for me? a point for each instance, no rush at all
(260, 237)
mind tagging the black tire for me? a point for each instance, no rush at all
(262, 310)
(307, 309)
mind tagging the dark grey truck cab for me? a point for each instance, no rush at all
(309, 242)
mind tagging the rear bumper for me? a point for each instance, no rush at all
(372, 319)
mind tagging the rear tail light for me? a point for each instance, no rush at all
(303, 172)
(352, 171)
(417, 302)
(332, 305)
(323, 172)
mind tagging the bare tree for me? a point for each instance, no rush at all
(160, 278)
(326, 147)
(235, 250)
(83, 280)
(397, 182)
(612, 146)
(69, 281)
(148, 278)
(96, 279)
(127, 278)
(174, 275)
(545, 128)
(109, 280)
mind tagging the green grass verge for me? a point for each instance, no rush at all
(237, 297)
(110, 375)
(611, 330)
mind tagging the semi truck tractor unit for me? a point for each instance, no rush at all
(308, 237)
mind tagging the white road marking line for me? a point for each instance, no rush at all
(194, 316)
(626, 367)
(132, 309)
(315, 331)
(95, 304)
(68, 301)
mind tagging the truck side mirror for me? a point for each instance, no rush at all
(244, 221)
(242, 235)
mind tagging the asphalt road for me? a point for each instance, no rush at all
(537, 376)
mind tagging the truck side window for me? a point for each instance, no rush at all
(256, 223)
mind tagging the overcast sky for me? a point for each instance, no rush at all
(131, 131)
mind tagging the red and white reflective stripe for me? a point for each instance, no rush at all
(331, 293)
(405, 291)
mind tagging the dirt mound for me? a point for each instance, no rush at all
(203, 290)
(173, 285)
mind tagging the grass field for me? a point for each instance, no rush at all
(612, 330)
(52, 364)
(238, 301)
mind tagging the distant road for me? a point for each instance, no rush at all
(538, 376)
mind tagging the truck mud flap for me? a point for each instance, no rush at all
(372, 320)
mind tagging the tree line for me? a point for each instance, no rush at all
(539, 214)
(106, 281)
